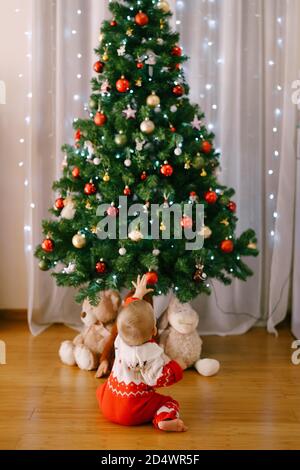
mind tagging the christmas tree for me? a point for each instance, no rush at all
(145, 141)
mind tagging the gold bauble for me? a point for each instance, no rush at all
(79, 241)
(164, 6)
(106, 178)
(252, 246)
(105, 57)
(153, 100)
(121, 140)
(147, 126)
(199, 162)
(205, 232)
(139, 82)
(203, 173)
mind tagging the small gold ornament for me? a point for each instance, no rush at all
(164, 6)
(106, 178)
(162, 24)
(187, 165)
(147, 126)
(138, 82)
(121, 139)
(153, 100)
(105, 56)
(162, 227)
(89, 206)
(203, 173)
(225, 222)
(252, 246)
(129, 32)
(79, 241)
(200, 275)
(205, 232)
(94, 230)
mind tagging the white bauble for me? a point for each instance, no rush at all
(97, 161)
(147, 126)
(156, 252)
(178, 151)
(128, 162)
(122, 251)
(135, 236)
(205, 232)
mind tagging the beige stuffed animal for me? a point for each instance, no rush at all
(86, 349)
(179, 337)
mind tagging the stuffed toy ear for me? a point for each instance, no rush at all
(115, 299)
(163, 321)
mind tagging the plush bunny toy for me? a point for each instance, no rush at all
(179, 337)
(86, 349)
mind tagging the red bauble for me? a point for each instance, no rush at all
(90, 189)
(141, 19)
(127, 191)
(206, 147)
(144, 176)
(211, 197)
(78, 135)
(48, 245)
(112, 211)
(167, 170)
(76, 172)
(98, 66)
(123, 85)
(113, 23)
(187, 222)
(101, 267)
(178, 66)
(176, 51)
(232, 206)
(172, 129)
(227, 246)
(140, 65)
(178, 90)
(152, 278)
(100, 119)
(60, 204)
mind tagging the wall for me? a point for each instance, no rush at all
(13, 62)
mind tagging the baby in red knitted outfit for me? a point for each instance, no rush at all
(129, 397)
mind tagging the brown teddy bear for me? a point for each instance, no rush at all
(86, 349)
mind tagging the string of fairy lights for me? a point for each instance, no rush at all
(208, 98)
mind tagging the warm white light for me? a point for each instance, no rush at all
(79, 76)
(21, 164)
(276, 153)
(208, 86)
(275, 215)
(22, 141)
(275, 130)
(79, 56)
(32, 205)
(79, 12)
(74, 31)
(214, 106)
(271, 197)
(76, 97)
(271, 172)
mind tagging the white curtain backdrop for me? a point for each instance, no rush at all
(243, 62)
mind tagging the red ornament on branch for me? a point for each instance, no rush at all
(167, 170)
(227, 246)
(112, 211)
(101, 267)
(98, 66)
(48, 245)
(140, 65)
(206, 147)
(60, 204)
(187, 222)
(141, 19)
(178, 90)
(144, 176)
(127, 191)
(100, 119)
(76, 172)
(123, 85)
(113, 23)
(90, 189)
(78, 135)
(152, 278)
(211, 197)
(232, 206)
(176, 51)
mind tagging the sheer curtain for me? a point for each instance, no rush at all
(243, 61)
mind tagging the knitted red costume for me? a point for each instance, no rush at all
(129, 397)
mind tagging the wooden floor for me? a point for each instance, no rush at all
(253, 403)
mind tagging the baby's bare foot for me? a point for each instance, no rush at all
(176, 425)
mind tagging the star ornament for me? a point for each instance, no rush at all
(129, 32)
(196, 123)
(130, 113)
(225, 222)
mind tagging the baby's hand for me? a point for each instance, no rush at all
(141, 287)
(102, 369)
